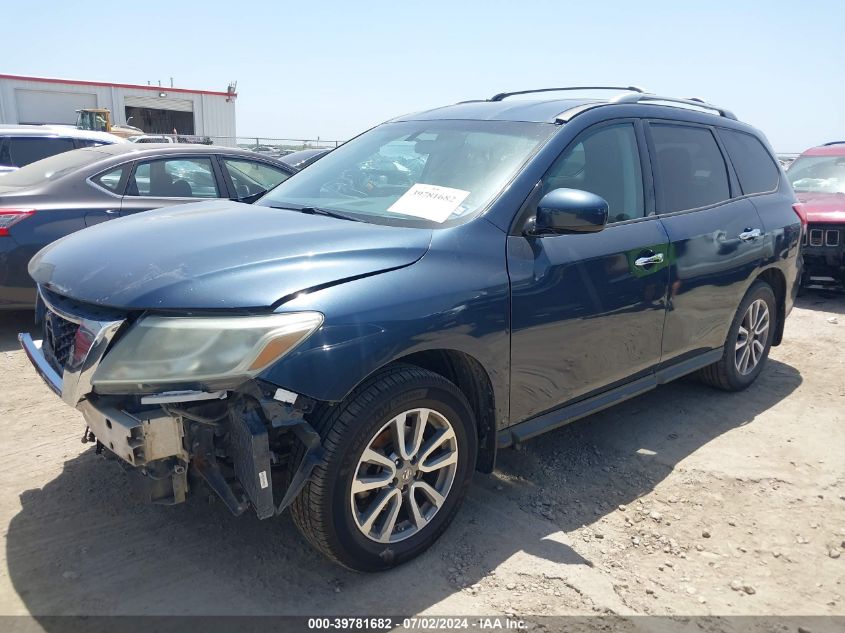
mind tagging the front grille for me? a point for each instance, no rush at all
(821, 235)
(59, 335)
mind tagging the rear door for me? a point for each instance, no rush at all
(716, 242)
(587, 310)
(110, 185)
(162, 182)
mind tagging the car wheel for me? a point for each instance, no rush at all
(749, 341)
(399, 454)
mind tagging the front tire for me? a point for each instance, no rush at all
(748, 343)
(399, 454)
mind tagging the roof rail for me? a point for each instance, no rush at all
(833, 143)
(505, 95)
(692, 101)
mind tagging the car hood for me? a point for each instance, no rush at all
(219, 255)
(823, 207)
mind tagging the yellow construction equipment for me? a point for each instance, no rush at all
(99, 120)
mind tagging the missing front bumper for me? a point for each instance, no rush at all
(160, 442)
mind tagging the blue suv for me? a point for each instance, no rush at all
(359, 341)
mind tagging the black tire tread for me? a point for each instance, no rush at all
(717, 375)
(332, 423)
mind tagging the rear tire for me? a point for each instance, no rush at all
(377, 440)
(748, 343)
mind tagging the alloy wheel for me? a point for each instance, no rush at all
(404, 475)
(752, 337)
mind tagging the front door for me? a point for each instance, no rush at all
(587, 310)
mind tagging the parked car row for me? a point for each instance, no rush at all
(375, 327)
(54, 197)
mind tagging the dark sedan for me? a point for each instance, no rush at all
(51, 198)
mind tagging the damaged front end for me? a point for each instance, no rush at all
(248, 441)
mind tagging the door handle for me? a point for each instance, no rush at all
(112, 212)
(750, 234)
(642, 262)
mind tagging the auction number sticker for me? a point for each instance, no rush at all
(430, 202)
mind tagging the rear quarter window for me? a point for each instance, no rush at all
(28, 149)
(755, 167)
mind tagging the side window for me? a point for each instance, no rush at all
(690, 167)
(605, 162)
(28, 149)
(174, 178)
(111, 179)
(754, 166)
(250, 177)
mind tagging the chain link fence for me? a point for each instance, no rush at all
(272, 146)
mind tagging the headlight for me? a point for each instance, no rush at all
(165, 350)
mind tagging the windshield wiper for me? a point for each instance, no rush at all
(320, 211)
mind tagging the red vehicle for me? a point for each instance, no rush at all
(818, 178)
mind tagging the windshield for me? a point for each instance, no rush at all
(818, 174)
(416, 173)
(51, 168)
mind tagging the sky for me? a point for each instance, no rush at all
(322, 69)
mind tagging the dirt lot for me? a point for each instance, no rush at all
(683, 501)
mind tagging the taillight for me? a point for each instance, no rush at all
(10, 217)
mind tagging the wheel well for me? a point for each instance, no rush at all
(472, 379)
(777, 281)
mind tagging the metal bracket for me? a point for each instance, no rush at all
(291, 417)
(205, 464)
(313, 456)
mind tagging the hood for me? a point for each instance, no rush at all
(218, 255)
(823, 207)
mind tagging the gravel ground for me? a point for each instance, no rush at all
(683, 501)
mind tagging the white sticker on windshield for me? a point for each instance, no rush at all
(430, 202)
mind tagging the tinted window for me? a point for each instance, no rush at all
(754, 167)
(605, 162)
(111, 179)
(690, 166)
(174, 178)
(28, 149)
(250, 178)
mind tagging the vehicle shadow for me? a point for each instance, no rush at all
(82, 545)
(822, 300)
(11, 323)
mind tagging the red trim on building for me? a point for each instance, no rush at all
(50, 80)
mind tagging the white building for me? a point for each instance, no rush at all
(154, 109)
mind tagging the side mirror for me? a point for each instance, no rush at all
(569, 211)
